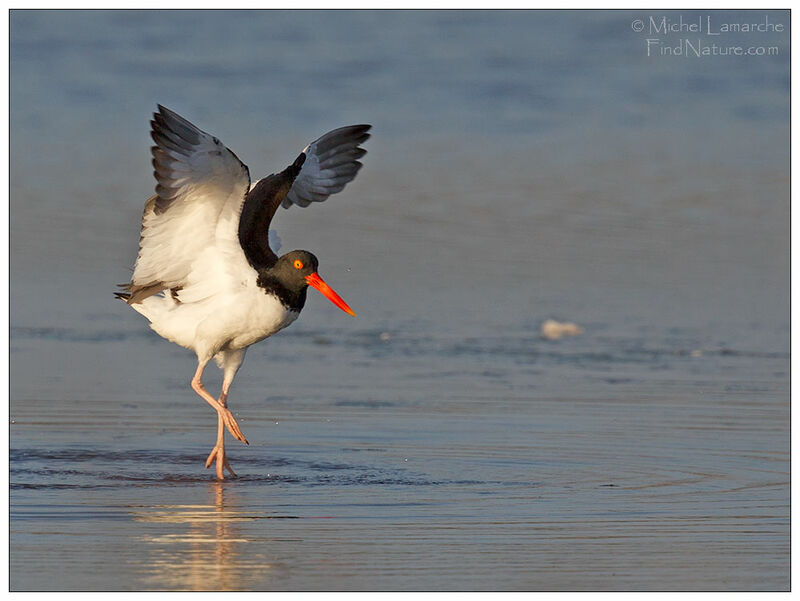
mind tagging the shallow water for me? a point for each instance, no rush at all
(524, 166)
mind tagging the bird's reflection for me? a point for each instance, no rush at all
(202, 547)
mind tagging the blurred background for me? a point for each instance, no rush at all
(524, 166)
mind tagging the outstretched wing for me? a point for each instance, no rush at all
(323, 168)
(200, 191)
(331, 163)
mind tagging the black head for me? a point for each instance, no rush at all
(291, 276)
(294, 267)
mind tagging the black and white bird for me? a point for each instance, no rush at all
(206, 277)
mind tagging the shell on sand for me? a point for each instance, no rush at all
(553, 330)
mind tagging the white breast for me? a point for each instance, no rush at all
(233, 320)
(260, 316)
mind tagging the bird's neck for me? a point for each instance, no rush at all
(259, 207)
(292, 299)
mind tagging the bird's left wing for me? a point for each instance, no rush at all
(331, 163)
(200, 191)
(323, 168)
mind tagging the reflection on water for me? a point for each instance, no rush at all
(200, 547)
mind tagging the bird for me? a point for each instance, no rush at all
(206, 277)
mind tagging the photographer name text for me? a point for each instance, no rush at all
(708, 26)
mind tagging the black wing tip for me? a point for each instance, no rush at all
(164, 114)
(165, 111)
(160, 129)
(158, 123)
(358, 131)
(165, 121)
(349, 136)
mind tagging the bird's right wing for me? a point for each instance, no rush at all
(331, 163)
(200, 191)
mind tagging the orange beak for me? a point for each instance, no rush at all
(318, 283)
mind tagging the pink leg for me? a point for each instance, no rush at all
(223, 412)
(218, 452)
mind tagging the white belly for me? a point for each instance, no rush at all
(233, 322)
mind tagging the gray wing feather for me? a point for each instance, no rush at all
(331, 163)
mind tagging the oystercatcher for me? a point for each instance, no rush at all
(206, 277)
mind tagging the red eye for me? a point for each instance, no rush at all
(298, 264)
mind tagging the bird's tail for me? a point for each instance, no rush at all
(136, 294)
(124, 292)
